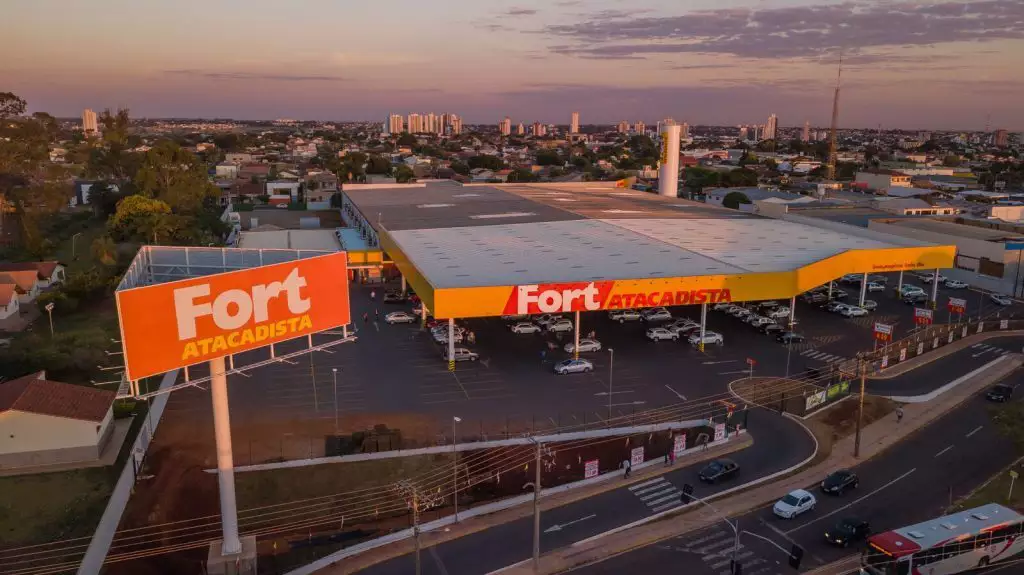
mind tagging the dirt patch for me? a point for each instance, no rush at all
(840, 420)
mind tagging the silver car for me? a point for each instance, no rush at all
(585, 346)
(657, 314)
(525, 327)
(573, 366)
(661, 334)
(461, 354)
(624, 315)
(561, 325)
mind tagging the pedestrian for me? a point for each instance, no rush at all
(373, 294)
(366, 317)
(543, 355)
(899, 414)
(376, 313)
(672, 457)
(627, 466)
(666, 459)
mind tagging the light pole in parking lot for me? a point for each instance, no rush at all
(334, 370)
(611, 362)
(455, 473)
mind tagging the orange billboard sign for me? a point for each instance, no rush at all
(171, 325)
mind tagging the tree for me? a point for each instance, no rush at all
(406, 139)
(459, 167)
(378, 165)
(734, 199)
(548, 158)
(486, 161)
(740, 177)
(521, 175)
(951, 161)
(136, 218)
(404, 174)
(103, 199)
(11, 105)
(175, 176)
(104, 250)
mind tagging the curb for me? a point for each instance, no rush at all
(924, 398)
(942, 352)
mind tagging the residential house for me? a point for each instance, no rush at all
(238, 158)
(882, 179)
(279, 187)
(45, 422)
(319, 190)
(226, 170)
(913, 207)
(47, 273)
(25, 282)
(9, 304)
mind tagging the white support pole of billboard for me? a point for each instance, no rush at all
(935, 289)
(576, 345)
(403, 284)
(792, 312)
(703, 324)
(863, 289)
(225, 461)
(899, 284)
(451, 339)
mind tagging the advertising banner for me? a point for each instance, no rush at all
(903, 354)
(815, 399)
(883, 331)
(957, 305)
(885, 361)
(636, 457)
(950, 338)
(590, 469)
(719, 431)
(679, 444)
(981, 325)
(922, 316)
(175, 324)
(935, 343)
(1004, 323)
(920, 348)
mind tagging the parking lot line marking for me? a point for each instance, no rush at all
(725, 562)
(674, 497)
(943, 451)
(663, 490)
(733, 372)
(848, 505)
(723, 543)
(975, 430)
(605, 393)
(679, 395)
(661, 484)
(645, 483)
(718, 362)
(630, 403)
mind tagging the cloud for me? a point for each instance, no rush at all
(255, 76)
(520, 12)
(793, 32)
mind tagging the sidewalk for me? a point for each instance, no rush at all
(360, 561)
(933, 355)
(875, 438)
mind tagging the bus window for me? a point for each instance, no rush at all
(903, 567)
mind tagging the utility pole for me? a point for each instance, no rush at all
(536, 509)
(412, 495)
(860, 407)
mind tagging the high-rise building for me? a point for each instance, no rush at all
(456, 125)
(623, 127)
(574, 128)
(539, 129)
(1001, 138)
(396, 124)
(505, 126)
(806, 135)
(385, 128)
(520, 129)
(684, 131)
(415, 124)
(640, 128)
(771, 128)
(89, 125)
(742, 133)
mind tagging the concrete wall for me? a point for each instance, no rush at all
(23, 432)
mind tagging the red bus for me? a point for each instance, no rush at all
(951, 544)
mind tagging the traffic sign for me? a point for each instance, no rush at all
(751, 361)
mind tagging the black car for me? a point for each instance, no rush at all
(839, 481)
(848, 530)
(1000, 393)
(772, 329)
(717, 470)
(814, 297)
(914, 297)
(789, 337)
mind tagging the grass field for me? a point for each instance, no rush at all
(50, 506)
(998, 491)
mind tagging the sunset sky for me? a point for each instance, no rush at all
(921, 64)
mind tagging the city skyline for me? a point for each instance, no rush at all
(907, 64)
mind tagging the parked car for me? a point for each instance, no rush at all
(853, 311)
(394, 297)
(1000, 393)
(814, 297)
(794, 503)
(759, 320)
(779, 312)
(928, 278)
(656, 314)
(624, 315)
(718, 470)
(878, 279)
(839, 294)
(851, 278)
(910, 288)
(872, 286)
(515, 317)
(772, 329)
(461, 354)
(956, 284)
(740, 312)
(770, 304)
(561, 325)
(661, 334)
(526, 327)
(838, 482)
(442, 337)
(834, 306)
(848, 530)
(585, 346)
(721, 306)
(790, 337)
(400, 317)
(573, 366)
(915, 297)
(710, 337)
(547, 318)
(1001, 299)
(682, 328)
(870, 305)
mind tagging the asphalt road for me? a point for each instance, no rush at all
(510, 543)
(913, 481)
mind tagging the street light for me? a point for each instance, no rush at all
(334, 370)
(73, 246)
(49, 312)
(455, 472)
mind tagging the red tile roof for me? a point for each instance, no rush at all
(44, 269)
(7, 293)
(33, 394)
(24, 280)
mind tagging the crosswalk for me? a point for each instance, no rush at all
(822, 356)
(981, 348)
(657, 494)
(716, 550)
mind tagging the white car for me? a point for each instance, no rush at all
(526, 327)
(908, 289)
(722, 306)
(624, 315)
(585, 346)
(561, 325)
(442, 329)
(516, 317)
(870, 305)
(443, 337)
(759, 320)
(794, 503)
(710, 337)
(872, 286)
(957, 284)
(573, 366)
(740, 312)
(779, 313)
(461, 354)
(657, 314)
(927, 278)
(400, 317)
(1001, 299)
(660, 333)
(852, 311)
(546, 318)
